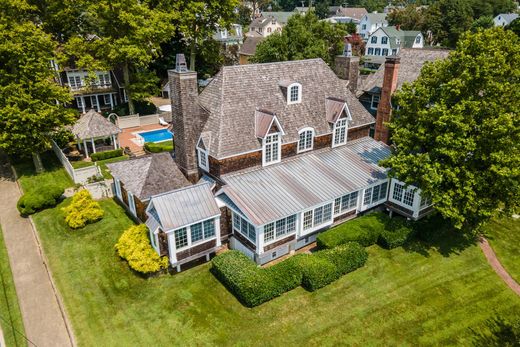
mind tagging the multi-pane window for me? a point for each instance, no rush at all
(93, 100)
(345, 203)
(181, 238)
(375, 102)
(107, 99)
(425, 202)
(384, 40)
(203, 159)
(294, 94)
(196, 232)
(104, 79)
(75, 81)
(408, 197)
(79, 101)
(209, 228)
(317, 217)
(375, 194)
(340, 132)
(377, 51)
(272, 149)
(373, 39)
(398, 192)
(385, 51)
(370, 51)
(244, 227)
(305, 141)
(279, 228)
(402, 195)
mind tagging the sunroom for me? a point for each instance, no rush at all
(408, 201)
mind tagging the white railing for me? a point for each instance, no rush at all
(81, 175)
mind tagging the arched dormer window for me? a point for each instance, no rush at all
(294, 93)
(305, 139)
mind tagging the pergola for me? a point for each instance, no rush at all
(92, 126)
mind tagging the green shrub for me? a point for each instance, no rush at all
(42, 198)
(166, 146)
(346, 258)
(106, 155)
(396, 233)
(317, 272)
(364, 230)
(82, 210)
(286, 275)
(134, 246)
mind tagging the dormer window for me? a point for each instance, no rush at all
(203, 159)
(340, 132)
(272, 149)
(418, 39)
(294, 95)
(306, 140)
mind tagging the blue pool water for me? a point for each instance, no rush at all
(157, 135)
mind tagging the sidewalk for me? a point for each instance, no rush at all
(43, 318)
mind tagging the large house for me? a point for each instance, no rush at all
(370, 23)
(270, 22)
(230, 37)
(275, 154)
(386, 41)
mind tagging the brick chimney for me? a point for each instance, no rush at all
(346, 67)
(186, 117)
(384, 110)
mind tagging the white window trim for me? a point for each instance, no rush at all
(312, 140)
(264, 145)
(289, 102)
(216, 221)
(239, 230)
(278, 238)
(372, 102)
(131, 203)
(377, 202)
(350, 209)
(303, 232)
(201, 165)
(334, 144)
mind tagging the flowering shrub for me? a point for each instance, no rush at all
(134, 246)
(82, 211)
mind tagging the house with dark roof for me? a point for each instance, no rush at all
(248, 48)
(277, 153)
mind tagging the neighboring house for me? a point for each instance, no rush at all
(233, 36)
(137, 180)
(99, 90)
(355, 14)
(265, 25)
(386, 41)
(504, 19)
(248, 49)
(277, 153)
(411, 62)
(370, 23)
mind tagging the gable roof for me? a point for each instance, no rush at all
(150, 175)
(236, 92)
(281, 17)
(352, 12)
(184, 206)
(406, 37)
(376, 18)
(92, 124)
(412, 61)
(334, 108)
(250, 44)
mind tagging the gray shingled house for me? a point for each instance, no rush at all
(281, 150)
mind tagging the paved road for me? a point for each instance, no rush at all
(44, 321)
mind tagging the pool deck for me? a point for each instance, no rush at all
(126, 136)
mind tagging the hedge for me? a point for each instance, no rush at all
(134, 246)
(396, 233)
(364, 230)
(42, 198)
(253, 285)
(106, 155)
(166, 146)
(82, 210)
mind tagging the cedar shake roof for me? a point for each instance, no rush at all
(333, 109)
(250, 43)
(352, 12)
(92, 125)
(237, 92)
(412, 60)
(151, 175)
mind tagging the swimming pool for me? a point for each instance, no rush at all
(156, 135)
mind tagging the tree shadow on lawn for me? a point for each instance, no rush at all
(25, 167)
(438, 234)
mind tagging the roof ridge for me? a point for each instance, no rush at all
(248, 66)
(179, 189)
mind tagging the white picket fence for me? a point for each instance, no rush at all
(135, 120)
(81, 175)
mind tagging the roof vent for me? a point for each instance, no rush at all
(180, 63)
(347, 50)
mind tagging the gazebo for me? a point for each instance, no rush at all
(92, 127)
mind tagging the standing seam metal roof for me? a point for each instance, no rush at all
(309, 180)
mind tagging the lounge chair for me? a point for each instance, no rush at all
(162, 121)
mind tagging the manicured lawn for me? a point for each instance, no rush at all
(54, 173)
(166, 146)
(422, 295)
(101, 163)
(504, 237)
(11, 318)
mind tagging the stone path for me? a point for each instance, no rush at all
(42, 311)
(497, 266)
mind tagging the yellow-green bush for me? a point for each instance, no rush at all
(82, 211)
(134, 246)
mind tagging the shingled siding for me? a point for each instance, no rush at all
(140, 208)
(279, 243)
(196, 250)
(225, 223)
(357, 133)
(124, 194)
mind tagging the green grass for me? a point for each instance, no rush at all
(54, 173)
(101, 163)
(504, 236)
(10, 316)
(421, 295)
(166, 146)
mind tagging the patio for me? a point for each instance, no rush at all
(128, 137)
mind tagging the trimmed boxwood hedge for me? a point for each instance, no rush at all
(396, 233)
(106, 155)
(42, 198)
(364, 230)
(253, 285)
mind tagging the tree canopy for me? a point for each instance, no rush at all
(304, 37)
(31, 102)
(456, 132)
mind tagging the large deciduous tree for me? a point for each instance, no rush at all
(456, 133)
(31, 102)
(304, 37)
